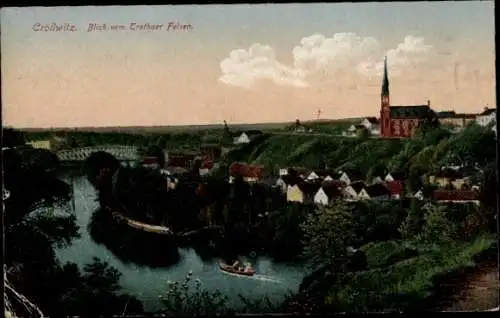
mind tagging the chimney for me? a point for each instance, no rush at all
(428, 103)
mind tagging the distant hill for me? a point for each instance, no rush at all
(188, 128)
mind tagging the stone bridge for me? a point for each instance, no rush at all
(122, 153)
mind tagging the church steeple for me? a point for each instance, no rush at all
(385, 81)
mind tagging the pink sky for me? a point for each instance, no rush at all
(110, 79)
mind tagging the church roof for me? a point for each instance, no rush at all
(487, 111)
(446, 114)
(419, 111)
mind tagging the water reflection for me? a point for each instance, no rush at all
(131, 252)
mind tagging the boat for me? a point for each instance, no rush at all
(231, 270)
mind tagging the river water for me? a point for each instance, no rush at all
(272, 279)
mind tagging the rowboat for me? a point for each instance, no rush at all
(231, 270)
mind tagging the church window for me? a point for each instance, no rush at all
(397, 128)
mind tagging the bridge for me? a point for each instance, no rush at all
(122, 153)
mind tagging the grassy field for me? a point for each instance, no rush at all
(383, 280)
(312, 151)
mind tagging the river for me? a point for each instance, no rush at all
(272, 279)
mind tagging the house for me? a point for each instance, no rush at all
(451, 118)
(312, 176)
(337, 183)
(374, 192)
(456, 196)
(283, 172)
(309, 189)
(210, 152)
(327, 194)
(299, 171)
(298, 127)
(351, 191)
(487, 117)
(419, 195)
(395, 176)
(448, 178)
(353, 130)
(250, 173)
(327, 174)
(246, 136)
(377, 179)
(150, 162)
(350, 175)
(176, 171)
(328, 178)
(40, 144)
(178, 159)
(372, 124)
(395, 188)
(294, 194)
(172, 183)
(281, 185)
(205, 167)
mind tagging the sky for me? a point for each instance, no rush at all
(242, 63)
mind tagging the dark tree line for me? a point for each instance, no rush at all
(32, 231)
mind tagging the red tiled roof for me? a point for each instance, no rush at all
(337, 183)
(246, 170)
(455, 195)
(180, 160)
(309, 188)
(331, 190)
(207, 164)
(450, 174)
(394, 187)
(299, 170)
(149, 160)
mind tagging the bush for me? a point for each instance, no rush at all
(188, 299)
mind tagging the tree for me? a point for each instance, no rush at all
(287, 231)
(189, 299)
(411, 226)
(12, 137)
(33, 270)
(437, 227)
(363, 134)
(327, 234)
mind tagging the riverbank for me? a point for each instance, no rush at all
(149, 260)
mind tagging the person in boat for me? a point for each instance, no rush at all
(248, 268)
(237, 265)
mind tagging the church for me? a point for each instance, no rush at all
(400, 121)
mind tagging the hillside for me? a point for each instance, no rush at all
(422, 154)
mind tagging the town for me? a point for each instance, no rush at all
(265, 159)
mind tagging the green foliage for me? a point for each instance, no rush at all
(39, 219)
(412, 224)
(327, 234)
(286, 225)
(406, 283)
(189, 299)
(363, 134)
(437, 227)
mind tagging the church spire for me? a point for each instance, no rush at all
(385, 82)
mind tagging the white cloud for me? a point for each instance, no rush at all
(411, 50)
(244, 67)
(319, 54)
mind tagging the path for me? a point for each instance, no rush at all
(479, 292)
